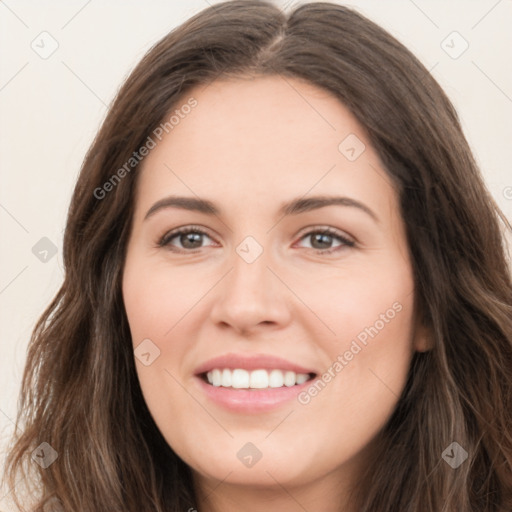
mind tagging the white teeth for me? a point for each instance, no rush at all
(256, 379)
(302, 377)
(259, 379)
(240, 379)
(226, 379)
(289, 379)
(216, 377)
(276, 379)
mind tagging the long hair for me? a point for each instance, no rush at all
(80, 393)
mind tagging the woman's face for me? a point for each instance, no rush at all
(275, 286)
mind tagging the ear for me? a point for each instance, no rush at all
(422, 337)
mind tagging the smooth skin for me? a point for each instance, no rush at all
(250, 145)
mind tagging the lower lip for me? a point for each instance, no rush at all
(251, 400)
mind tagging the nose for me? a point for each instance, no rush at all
(251, 297)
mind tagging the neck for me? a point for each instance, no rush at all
(324, 495)
(329, 493)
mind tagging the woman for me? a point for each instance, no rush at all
(285, 287)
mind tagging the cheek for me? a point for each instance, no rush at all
(156, 298)
(158, 304)
(369, 355)
(358, 305)
(357, 393)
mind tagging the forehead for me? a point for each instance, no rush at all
(263, 115)
(265, 136)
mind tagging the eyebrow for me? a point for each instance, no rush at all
(293, 207)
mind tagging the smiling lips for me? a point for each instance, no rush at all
(239, 371)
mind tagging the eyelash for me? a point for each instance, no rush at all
(166, 239)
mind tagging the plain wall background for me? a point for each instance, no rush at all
(51, 108)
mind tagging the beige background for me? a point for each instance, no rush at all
(50, 109)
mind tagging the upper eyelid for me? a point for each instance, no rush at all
(187, 229)
(304, 231)
(327, 229)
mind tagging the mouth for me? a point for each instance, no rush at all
(258, 379)
(252, 383)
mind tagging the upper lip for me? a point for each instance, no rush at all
(253, 362)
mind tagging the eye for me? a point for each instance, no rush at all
(191, 238)
(188, 238)
(322, 240)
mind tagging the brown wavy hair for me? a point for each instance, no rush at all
(80, 391)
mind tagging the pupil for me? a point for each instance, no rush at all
(322, 238)
(192, 238)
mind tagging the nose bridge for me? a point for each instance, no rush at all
(249, 295)
(250, 274)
